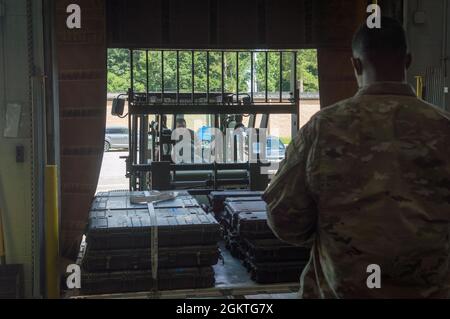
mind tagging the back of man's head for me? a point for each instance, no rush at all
(389, 40)
(181, 123)
(380, 54)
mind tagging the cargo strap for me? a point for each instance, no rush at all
(153, 244)
(152, 197)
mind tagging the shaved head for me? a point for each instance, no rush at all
(380, 54)
(389, 39)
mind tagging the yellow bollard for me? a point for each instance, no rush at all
(419, 86)
(51, 232)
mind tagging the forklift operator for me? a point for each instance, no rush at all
(195, 146)
(366, 184)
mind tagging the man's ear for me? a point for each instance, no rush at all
(408, 60)
(357, 65)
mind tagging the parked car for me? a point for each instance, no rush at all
(116, 137)
(275, 149)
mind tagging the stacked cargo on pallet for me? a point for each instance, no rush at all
(139, 246)
(243, 216)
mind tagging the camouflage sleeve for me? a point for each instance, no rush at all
(291, 210)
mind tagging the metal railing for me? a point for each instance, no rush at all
(223, 97)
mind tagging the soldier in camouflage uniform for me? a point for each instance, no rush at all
(367, 181)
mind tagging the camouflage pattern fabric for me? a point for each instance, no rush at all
(367, 181)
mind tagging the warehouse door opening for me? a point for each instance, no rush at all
(183, 77)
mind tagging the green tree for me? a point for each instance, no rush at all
(309, 72)
(119, 71)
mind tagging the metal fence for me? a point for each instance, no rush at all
(434, 86)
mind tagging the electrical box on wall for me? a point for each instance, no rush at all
(420, 17)
(12, 122)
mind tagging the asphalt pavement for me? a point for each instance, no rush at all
(112, 174)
